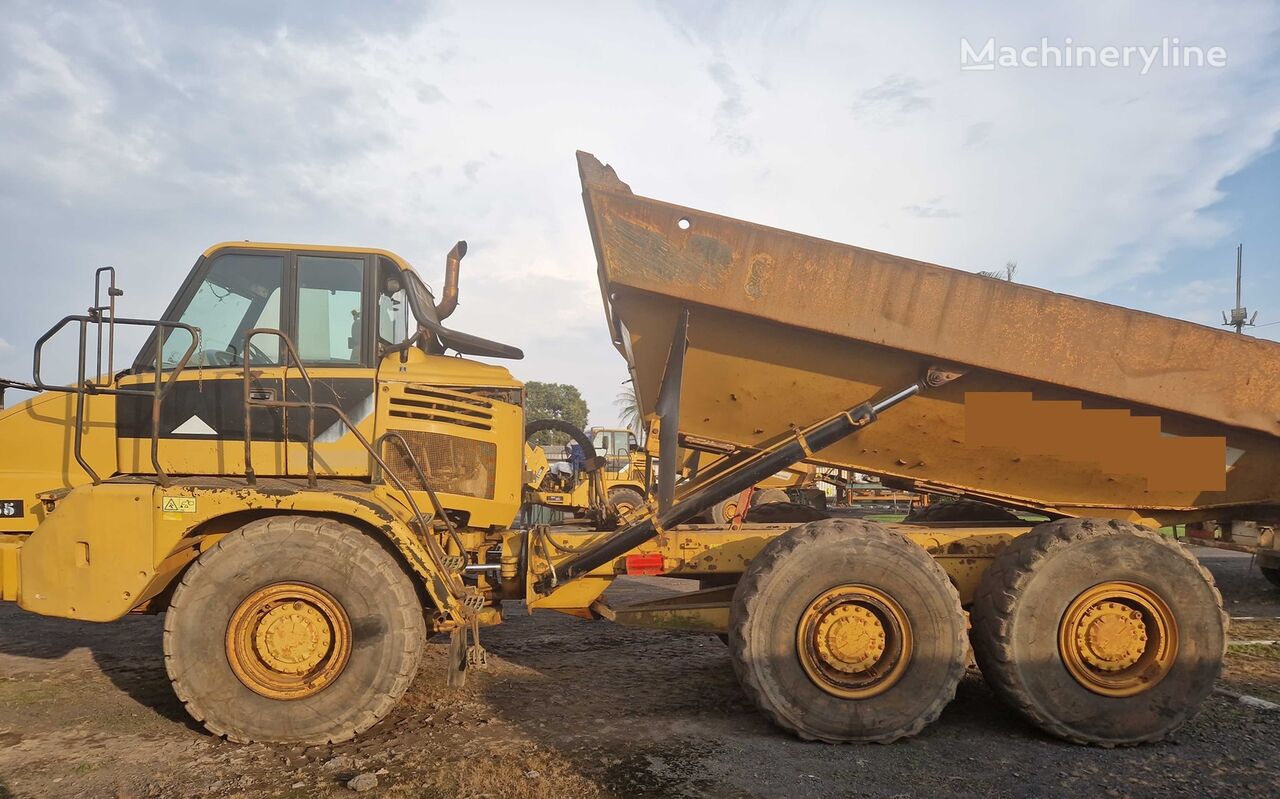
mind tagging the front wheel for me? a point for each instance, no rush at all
(623, 500)
(293, 629)
(1099, 631)
(841, 630)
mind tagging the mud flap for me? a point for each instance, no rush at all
(457, 663)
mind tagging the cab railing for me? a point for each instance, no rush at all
(102, 318)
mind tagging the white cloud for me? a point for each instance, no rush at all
(895, 96)
(138, 137)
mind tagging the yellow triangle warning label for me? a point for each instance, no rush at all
(178, 505)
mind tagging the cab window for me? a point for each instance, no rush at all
(330, 312)
(603, 443)
(614, 442)
(238, 293)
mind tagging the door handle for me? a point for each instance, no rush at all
(262, 394)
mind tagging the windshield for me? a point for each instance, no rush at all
(237, 293)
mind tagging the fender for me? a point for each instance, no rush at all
(113, 548)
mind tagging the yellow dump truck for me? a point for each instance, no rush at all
(298, 471)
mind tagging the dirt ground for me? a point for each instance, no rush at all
(572, 708)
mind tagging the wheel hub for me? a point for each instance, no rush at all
(288, 640)
(850, 639)
(1118, 639)
(1111, 636)
(293, 638)
(854, 641)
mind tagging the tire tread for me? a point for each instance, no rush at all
(1005, 579)
(748, 596)
(340, 539)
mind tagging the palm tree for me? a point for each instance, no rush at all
(1010, 269)
(628, 406)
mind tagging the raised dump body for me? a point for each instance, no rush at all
(1066, 405)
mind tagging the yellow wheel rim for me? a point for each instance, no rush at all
(1118, 639)
(854, 641)
(288, 640)
(730, 512)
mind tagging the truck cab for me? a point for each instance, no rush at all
(276, 362)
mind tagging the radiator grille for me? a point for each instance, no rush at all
(426, 404)
(451, 464)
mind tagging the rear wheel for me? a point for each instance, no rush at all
(293, 629)
(841, 630)
(624, 500)
(768, 495)
(726, 510)
(1099, 631)
(784, 512)
(960, 510)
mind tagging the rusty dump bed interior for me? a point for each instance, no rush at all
(1067, 404)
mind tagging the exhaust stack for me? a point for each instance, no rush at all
(449, 297)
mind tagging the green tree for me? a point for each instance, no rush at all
(553, 401)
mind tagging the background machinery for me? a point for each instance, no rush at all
(613, 475)
(609, 477)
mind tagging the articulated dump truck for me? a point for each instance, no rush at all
(309, 473)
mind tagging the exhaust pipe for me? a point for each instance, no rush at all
(449, 297)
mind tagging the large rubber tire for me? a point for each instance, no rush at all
(624, 499)
(388, 630)
(960, 510)
(766, 496)
(1022, 601)
(784, 512)
(775, 508)
(724, 511)
(1272, 573)
(798, 567)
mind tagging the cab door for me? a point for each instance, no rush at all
(202, 419)
(333, 325)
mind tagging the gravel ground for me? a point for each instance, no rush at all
(577, 708)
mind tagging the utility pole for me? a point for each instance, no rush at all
(1239, 314)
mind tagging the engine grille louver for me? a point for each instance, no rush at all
(447, 407)
(462, 462)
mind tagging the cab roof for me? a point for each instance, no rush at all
(285, 246)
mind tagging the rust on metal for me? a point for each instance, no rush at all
(784, 327)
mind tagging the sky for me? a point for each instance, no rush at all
(137, 134)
